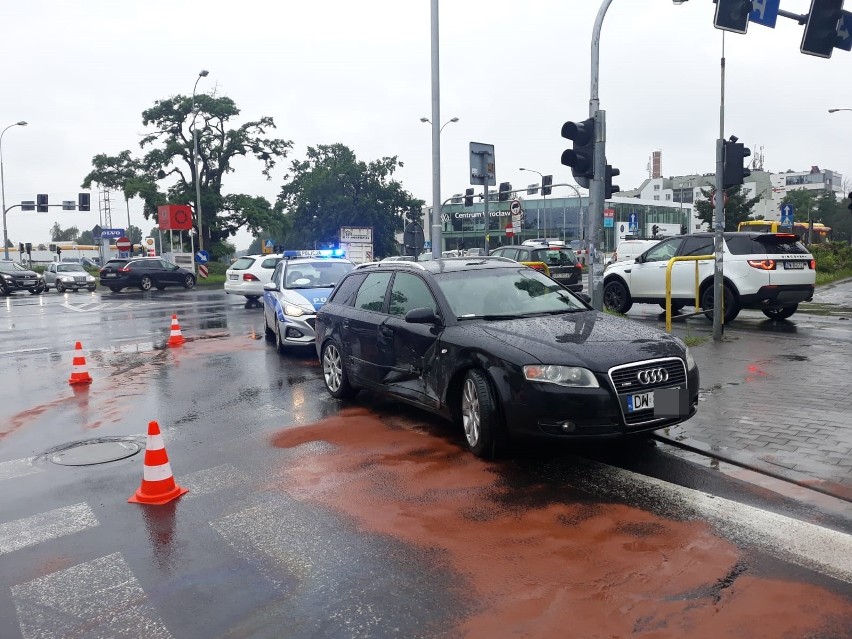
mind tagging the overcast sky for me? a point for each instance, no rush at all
(328, 71)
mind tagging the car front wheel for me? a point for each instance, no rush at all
(188, 282)
(616, 297)
(60, 287)
(334, 373)
(268, 332)
(480, 416)
(780, 312)
(145, 283)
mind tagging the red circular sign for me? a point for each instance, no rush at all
(123, 244)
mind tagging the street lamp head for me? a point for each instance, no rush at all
(454, 119)
(424, 119)
(203, 73)
(678, 2)
(22, 123)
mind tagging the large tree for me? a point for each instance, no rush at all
(737, 209)
(165, 173)
(332, 188)
(58, 234)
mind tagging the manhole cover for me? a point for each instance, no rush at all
(98, 451)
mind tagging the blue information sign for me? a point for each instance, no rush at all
(764, 12)
(633, 221)
(202, 257)
(112, 233)
(609, 222)
(787, 215)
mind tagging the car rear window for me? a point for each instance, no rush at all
(115, 263)
(554, 256)
(770, 244)
(244, 263)
(269, 262)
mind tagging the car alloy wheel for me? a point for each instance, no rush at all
(188, 282)
(334, 373)
(616, 297)
(60, 287)
(145, 283)
(470, 413)
(481, 418)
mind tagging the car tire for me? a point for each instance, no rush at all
(780, 312)
(161, 287)
(252, 298)
(38, 290)
(91, 289)
(480, 416)
(334, 373)
(145, 283)
(115, 289)
(732, 307)
(616, 297)
(280, 345)
(268, 332)
(188, 281)
(676, 306)
(60, 288)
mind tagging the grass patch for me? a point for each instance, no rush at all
(695, 340)
(609, 311)
(828, 278)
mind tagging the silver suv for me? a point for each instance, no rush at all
(771, 272)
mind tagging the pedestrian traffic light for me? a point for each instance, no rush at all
(547, 185)
(732, 15)
(581, 158)
(83, 202)
(41, 203)
(609, 189)
(820, 34)
(504, 192)
(468, 197)
(734, 173)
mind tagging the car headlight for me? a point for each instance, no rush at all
(7, 277)
(38, 276)
(690, 360)
(89, 278)
(561, 375)
(293, 311)
(65, 278)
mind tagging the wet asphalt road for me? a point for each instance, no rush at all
(306, 517)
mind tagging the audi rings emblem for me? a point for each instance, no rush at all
(653, 376)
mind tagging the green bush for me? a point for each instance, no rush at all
(832, 257)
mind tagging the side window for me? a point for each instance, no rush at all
(663, 251)
(276, 274)
(270, 262)
(409, 292)
(511, 253)
(345, 293)
(697, 246)
(371, 295)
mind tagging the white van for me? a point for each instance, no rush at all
(631, 249)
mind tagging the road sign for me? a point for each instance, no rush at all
(202, 257)
(510, 231)
(713, 199)
(787, 215)
(844, 27)
(515, 207)
(123, 244)
(633, 221)
(112, 234)
(764, 12)
(202, 270)
(268, 246)
(482, 165)
(427, 245)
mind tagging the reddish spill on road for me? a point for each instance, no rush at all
(543, 569)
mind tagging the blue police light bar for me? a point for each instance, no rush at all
(289, 255)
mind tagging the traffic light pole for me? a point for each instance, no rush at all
(719, 212)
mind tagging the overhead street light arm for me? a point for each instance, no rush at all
(3, 189)
(836, 110)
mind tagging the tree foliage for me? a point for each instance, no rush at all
(824, 207)
(58, 234)
(165, 173)
(332, 188)
(738, 208)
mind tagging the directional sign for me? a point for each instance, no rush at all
(112, 234)
(844, 31)
(633, 222)
(202, 257)
(764, 12)
(787, 215)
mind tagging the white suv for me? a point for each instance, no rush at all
(771, 272)
(249, 273)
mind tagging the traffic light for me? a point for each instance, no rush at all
(820, 34)
(505, 189)
(732, 15)
(734, 173)
(850, 203)
(29, 248)
(547, 185)
(581, 158)
(468, 197)
(609, 189)
(83, 202)
(21, 249)
(59, 252)
(41, 203)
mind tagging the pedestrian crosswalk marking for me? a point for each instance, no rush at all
(99, 598)
(51, 524)
(209, 480)
(18, 468)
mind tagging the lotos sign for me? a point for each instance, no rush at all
(174, 217)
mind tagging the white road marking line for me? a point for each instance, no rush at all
(18, 468)
(99, 598)
(210, 480)
(814, 547)
(45, 526)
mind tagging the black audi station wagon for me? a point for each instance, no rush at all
(502, 349)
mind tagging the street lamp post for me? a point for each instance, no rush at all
(3, 189)
(435, 235)
(196, 161)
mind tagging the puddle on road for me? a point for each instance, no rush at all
(539, 560)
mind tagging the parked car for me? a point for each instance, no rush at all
(629, 250)
(144, 273)
(15, 277)
(68, 277)
(299, 287)
(247, 275)
(771, 272)
(91, 262)
(563, 264)
(502, 349)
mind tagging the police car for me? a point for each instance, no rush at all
(300, 285)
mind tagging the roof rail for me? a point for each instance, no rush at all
(392, 264)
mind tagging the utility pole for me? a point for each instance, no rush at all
(719, 214)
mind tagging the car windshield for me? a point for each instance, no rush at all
(505, 293)
(554, 256)
(11, 267)
(69, 268)
(319, 274)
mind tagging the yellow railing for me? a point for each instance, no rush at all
(539, 266)
(689, 258)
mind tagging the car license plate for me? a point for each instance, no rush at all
(109, 274)
(794, 265)
(640, 401)
(233, 276)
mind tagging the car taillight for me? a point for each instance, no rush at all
(248, 277)
(125, 269)
(812, 264)
(579, 266)
(764, 265)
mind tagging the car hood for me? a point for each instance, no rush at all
(308, 297)
(21, 274)
(591, 339)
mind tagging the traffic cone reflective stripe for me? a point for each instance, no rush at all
(79, 374)
(175, 337)
(158, 484)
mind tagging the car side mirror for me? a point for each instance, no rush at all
(270, 286)
(639, 260)
(422, 316)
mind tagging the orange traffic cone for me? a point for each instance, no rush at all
(175, 337)
(79, 374)
(158, 484)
